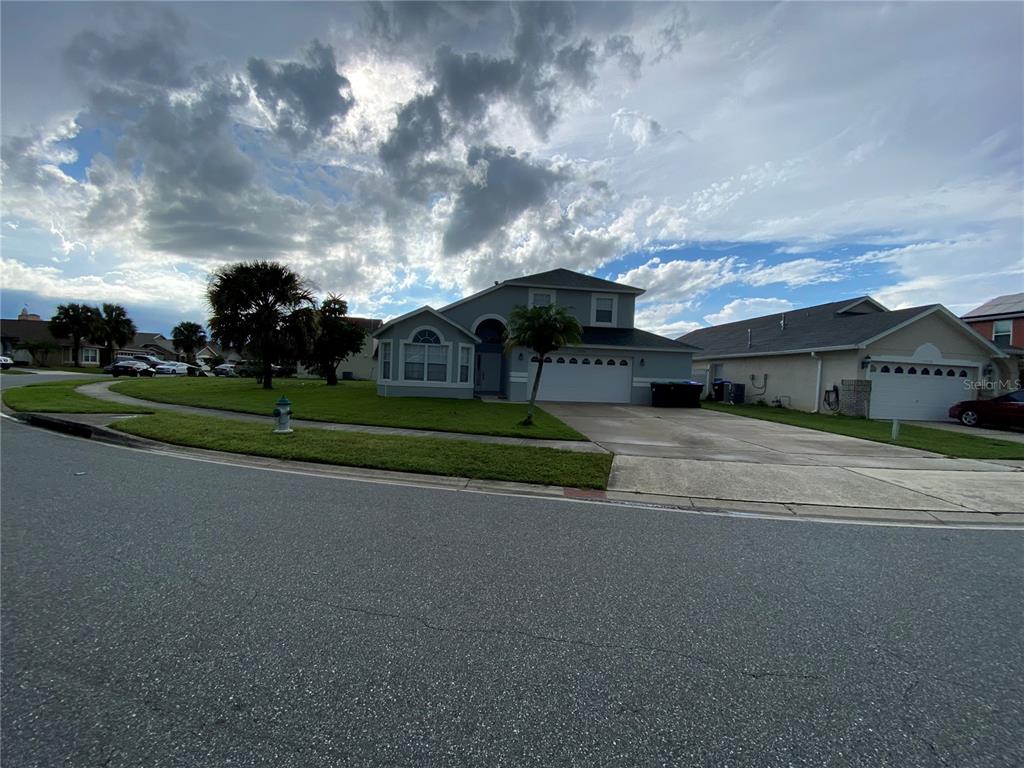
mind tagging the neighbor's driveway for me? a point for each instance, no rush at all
(717, 456)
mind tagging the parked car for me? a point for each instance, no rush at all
(1003, 411)
(225, 369)
(131, 368)
(149, 360)
(172, 369)
(5, 362)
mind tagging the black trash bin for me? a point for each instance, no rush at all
(661, 394)
(676, 394)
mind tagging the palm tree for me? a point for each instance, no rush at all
(543, 330)
(252, 303)
(114, 328)
(76, 321)
(188, 337)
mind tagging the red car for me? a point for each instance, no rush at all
(1003, 411)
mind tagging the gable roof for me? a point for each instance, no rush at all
(634, 338)
(429, 311)
(1010, 304)
(820, 328)
(29, 330)
(566, 278)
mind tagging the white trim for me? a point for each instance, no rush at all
(427, 310)
(419, 328)
(613, 288)
(804, 351)
(480, 319)
(615, 309)
(472, 296)
(414, 383)
(550, 291)
(448, 365)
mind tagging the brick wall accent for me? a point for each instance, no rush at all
(854, 397)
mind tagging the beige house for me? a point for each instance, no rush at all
(853, 356)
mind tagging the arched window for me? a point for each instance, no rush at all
(572, 361)
(599, 361)
(611, 362)
(926, 372)
(586, 361)
(885, 369)
(911, 371)
(547, 359)
(534, 359)
(560, 360)
(426, 336)
(963, 374)
(951, 372)
(425, 358)
(623, 362)
(898, 369)
(874, 368)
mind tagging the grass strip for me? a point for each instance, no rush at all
(61, 397)
(426, 455)
(351, 402)
(943, 441)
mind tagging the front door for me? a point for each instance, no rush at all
(488, 373)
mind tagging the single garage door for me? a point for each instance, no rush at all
(584, 379)
(915, 392)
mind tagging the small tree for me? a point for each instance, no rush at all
(114, 328)
(189, 338)
(336, 338)
(543, 330)
(252, 303)
(74, 321)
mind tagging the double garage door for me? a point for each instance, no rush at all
(916, 392)
(584, 379)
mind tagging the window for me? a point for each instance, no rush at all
(90, 355)
(385, 360)
(586, 361)
(560, 360)
(547, 359)
(925, 372)
(1016, 397)
(623, 362)
(899, 369)
(572, 361)
(611, 362)
(426, 359)
(911, 371)
(541, 297)
(885, 369)
(603, 312)
(1002, 332)
(464, 357)
(534, 359)
(951, 372)
(963, 374)
(874, 368)
(599, 361)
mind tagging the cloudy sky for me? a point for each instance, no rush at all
(733, 159)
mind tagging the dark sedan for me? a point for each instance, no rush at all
(1003, 411)
(131, 368)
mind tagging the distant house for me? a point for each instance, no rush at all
(28, 327)
(153, 344)
(1002, 320)
(360, 365)
(853, 355)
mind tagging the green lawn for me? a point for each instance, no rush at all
(95, 369)
(14, 372)
(351, 402)
(912, 436)
(60, 397)
(434, 456)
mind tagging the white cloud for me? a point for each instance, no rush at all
(742, 309)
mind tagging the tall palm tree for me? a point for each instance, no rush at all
(114, 328)
(252, 303)
(74, 321)
(188, 337)
(543, 330)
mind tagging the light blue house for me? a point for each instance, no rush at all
(457, 351)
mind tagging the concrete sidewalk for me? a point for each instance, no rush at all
(101, 391)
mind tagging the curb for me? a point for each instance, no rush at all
(762, 510)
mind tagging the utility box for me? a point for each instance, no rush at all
(736, 393)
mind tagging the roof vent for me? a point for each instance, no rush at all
(748, 338)
(782, 322)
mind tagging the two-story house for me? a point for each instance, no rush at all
(1002, 320)
(458, 350)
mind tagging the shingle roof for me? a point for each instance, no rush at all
(810, 328)
(28, 330)
(566, 278)
(630, 337)
(1009, 304)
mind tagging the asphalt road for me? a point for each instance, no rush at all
(158, 611)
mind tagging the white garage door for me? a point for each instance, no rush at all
(584, 379)
(917, 392)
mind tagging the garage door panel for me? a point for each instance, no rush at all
(570, 382)
(917, 397)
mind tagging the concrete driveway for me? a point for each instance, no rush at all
(713, 456)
